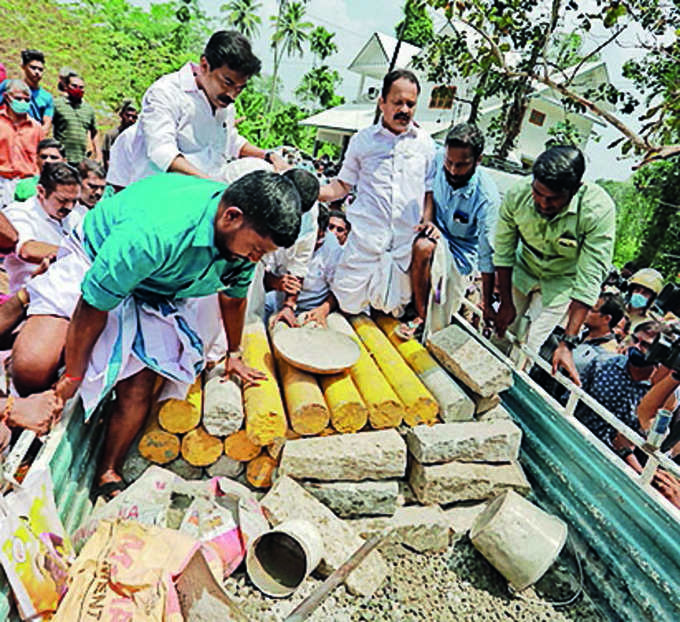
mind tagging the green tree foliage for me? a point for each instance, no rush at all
(290, 33)
(416, 26)
(321, 43)
(318, 87)
(243, 15)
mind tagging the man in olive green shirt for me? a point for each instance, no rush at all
(554, 246)
(74, 123)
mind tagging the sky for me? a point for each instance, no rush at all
(354, 21)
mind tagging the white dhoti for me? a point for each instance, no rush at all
(168, 337)
(446, 291)
(370, 277)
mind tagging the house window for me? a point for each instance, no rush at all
(536, 117)
(442, 97)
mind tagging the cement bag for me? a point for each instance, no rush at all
(125, 573)
(145, 501)
(35, 552)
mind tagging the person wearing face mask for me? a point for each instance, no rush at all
(619, 383)
(553, 248)
(392, 166)
(19, 138)
(187, 122)
(43, 221)
(643, 288)
(75, 126)
(458, 237)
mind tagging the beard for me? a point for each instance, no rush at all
(458, 181)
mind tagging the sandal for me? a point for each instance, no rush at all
(410, 330)
(108, 489)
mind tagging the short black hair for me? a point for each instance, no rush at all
(323, 217)
(57, 174)
(466, 135)
(393, 76)
(73, 75)
(613, 306)
(307, 186)
(87, 166)
(270, 203)
(337, 213)
(560, 168)
(30, 55)
(231, 48)
(51, 143)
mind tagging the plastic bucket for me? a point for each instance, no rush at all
(279, 561)
(518, 538)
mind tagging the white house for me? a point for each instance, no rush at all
(440, 105)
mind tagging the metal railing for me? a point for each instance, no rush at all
(577, 394)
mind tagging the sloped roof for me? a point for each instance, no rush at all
(374, 58)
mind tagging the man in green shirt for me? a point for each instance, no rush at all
(554, 246)
(127, 279)
(74, 123)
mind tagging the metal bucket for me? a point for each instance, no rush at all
(279, 561)
(518, 538)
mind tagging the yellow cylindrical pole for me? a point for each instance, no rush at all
(307, 410)
(385, 410)
(348, 411)
(156, 444)
(200, 448)
(420, 406)
(238, 447)
(265, 414)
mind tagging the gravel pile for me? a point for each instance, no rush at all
(457, 585)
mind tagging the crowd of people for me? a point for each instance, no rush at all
(141, 254)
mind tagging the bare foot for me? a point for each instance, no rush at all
(36, 412)
(107, 481)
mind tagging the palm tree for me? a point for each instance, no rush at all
(289, 35)
(321, 43)
(242, 14)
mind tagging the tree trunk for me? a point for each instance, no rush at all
(477, 99)
(513, 121)
(658, 226)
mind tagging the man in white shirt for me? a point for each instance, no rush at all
(186, 124)
(42, 221)
(392, 165)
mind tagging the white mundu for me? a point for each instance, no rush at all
(392, 173)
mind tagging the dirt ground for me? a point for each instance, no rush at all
(458, 584)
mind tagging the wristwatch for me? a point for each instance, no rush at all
(571, 341)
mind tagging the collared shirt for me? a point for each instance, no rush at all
(598, 349)
(109, 139)
(32, 222)
(610, 383)
(564, 257)
(320, 273)
(18, 146)
(41, 105)
(72, 125)
(467, 217)
(156, 241)
(176, 119)
(392, 173)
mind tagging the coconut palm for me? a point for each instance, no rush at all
(242, 15)
(321, 43)
(289, 35)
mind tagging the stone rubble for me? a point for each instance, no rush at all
(348, 499)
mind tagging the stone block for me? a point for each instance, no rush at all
(357, 498)
(423, 529)
(474, 441)
(222, 405)
(469, 361)
(458, 407)
(406, 495)
(179, 466)
(226, 467)
(462, 517)
(287, 500)
(353, 457)
(495, 414)
(135, 464)
(484, 404)
(465, 481)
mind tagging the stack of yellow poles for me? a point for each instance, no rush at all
(385, 410)
(421, 407)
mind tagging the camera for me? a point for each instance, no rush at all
(668, 299)
(615, 280)
(665, 350)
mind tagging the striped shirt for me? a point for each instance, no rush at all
(72, 122)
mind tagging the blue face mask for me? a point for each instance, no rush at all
(19, 106)
(638, 301)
